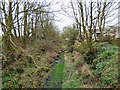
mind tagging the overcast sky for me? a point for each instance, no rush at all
(61, 19)
(66, 21)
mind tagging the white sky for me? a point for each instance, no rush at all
(64, 20)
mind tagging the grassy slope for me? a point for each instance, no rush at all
(105, 72)
(106, 65)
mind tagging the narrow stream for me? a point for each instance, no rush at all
(55, 79)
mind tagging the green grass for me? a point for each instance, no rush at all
(106, 65)
(11, 79)
(70, 80)
(105, 69)
(74, 83)
(56, 75)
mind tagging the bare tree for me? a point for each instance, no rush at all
(89, 16)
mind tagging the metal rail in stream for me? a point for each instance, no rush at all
(55, 79)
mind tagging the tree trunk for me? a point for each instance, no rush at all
(25, 23)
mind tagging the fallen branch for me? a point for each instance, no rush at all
(22, 50)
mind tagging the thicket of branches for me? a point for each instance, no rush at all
(23, 23)
(91, 16)
(30, 39)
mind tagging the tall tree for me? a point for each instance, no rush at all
(89, 16)
(25, 22)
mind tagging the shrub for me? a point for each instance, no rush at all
(90, 56)
(105, 65)
(99, 69)
(107, 38)
(110, 75)
(110, 79)
(83, 48)
(106, 54)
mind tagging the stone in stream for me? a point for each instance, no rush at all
(57, 56)
(56, 61)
